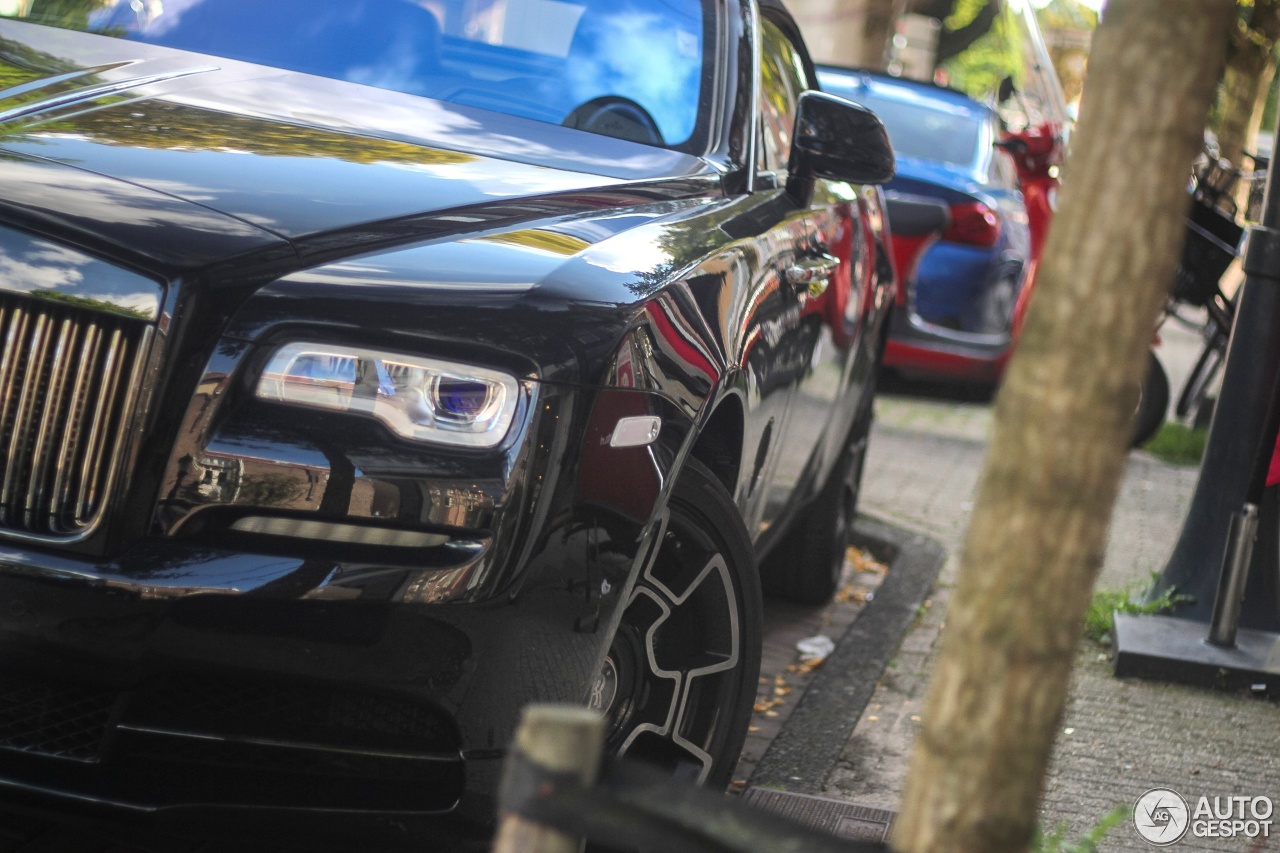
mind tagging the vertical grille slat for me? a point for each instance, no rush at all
(23, 432)
(92, 469)
(42, 457)
(68, 383)
(74, 430)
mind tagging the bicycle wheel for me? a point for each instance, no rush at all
(1195, 389)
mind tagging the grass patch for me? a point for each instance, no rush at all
(1099, 619)
(1054, 841)
(1178, 444)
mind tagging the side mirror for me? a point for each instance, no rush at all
(839, 140)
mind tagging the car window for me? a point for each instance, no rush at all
(928, 132)
(782, 79)
(628, 68)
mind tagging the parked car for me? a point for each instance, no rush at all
(957, 307)
(373, 369)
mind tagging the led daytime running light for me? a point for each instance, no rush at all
(418, 398)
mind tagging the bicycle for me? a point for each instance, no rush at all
(1215, 229)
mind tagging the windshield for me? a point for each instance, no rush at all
(928, 133)
(633, 69)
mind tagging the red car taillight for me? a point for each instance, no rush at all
(973, 224)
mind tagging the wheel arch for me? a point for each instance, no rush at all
(718, 445)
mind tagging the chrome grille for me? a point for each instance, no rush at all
(68, 382)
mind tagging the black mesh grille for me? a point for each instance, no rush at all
(305, 714)
(275, 759)
(48, 718)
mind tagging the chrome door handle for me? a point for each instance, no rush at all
(813, 273)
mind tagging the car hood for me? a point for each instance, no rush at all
(284, 154)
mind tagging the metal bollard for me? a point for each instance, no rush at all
(1235, 566)
(555, 745)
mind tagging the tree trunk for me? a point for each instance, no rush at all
(1062, 422)
(1250, 67)
(877, 31)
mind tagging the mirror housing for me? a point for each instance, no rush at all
(838, 140)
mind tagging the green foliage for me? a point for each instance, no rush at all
(1269, 109)
(1099, 619)
(962, 13)
(72, 14)
(1178, 444)
(1054, 841)
(979, 68)
(1066, 15)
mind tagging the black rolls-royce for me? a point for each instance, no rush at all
(373, 368)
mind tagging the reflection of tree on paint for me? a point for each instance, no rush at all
(269, 490)
(71, 14)
(88, 303)
(158, 125)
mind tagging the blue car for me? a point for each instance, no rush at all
(960, 301)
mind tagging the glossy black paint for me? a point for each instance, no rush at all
(612, 278)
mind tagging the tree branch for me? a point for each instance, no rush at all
(953, 41)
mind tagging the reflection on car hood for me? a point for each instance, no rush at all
(291, 154)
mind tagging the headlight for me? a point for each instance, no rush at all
(424, 399)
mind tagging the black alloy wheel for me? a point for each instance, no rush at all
(679, 681)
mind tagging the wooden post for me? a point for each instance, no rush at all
(557, 739)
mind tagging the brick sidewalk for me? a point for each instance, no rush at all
(1119, 738)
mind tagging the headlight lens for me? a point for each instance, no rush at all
(424, 399)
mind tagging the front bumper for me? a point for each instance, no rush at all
(185, 676)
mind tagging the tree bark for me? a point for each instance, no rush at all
(1038, 532)
(1250, 67)
(878, 29)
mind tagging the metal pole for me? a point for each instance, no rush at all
(1235, 564)
(1241, 436)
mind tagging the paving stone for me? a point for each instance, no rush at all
(1126, 737)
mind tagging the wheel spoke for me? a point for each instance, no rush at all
(685, 654)
(711, 583)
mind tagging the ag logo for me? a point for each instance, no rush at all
(1161, 816)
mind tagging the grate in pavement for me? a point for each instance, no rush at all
(850, 821)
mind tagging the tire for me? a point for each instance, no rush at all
(994, 314)
(806, 566)
(1152, 403)
(680, 678)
